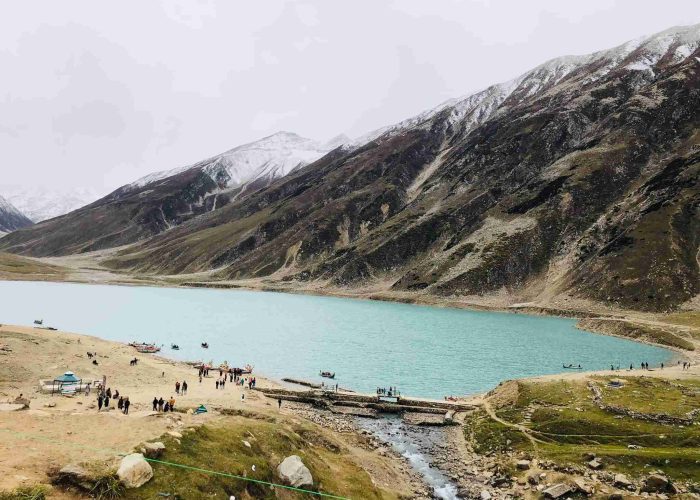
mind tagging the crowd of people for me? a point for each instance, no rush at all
(104, 396)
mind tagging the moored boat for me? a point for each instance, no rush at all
(327, 374)
(572, 367)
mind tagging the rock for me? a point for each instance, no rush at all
(174, 434)
(11, 406)
(153, 450)
(50, 404)
(533, 480)
(75, 475)
(134, 471)
(247, 444)
(655, 483)
(557, 491)
(583, 487)
(588, 456)
(621, 481)
(615, 496)
(523, 464)
(293, 472)
(595, 464)
(21, 401)
(485, 495)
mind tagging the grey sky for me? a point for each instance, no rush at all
(96, 94)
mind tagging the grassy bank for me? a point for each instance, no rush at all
(235, 445)
(560, 421)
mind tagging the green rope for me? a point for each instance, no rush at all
(171, 464)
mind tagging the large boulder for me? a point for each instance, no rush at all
(75, 475)
(153, 450)
(134, 471)
(557, 491)
(293, 472)
(655, 483)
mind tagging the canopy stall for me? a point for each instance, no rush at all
(67, 383)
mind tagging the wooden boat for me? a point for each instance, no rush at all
(205, 345)
(572, 367)
(148, 349)
(327, 374)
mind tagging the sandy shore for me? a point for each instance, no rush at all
(57, 430)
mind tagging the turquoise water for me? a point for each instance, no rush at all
(424, 351)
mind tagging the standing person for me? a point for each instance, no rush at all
(172, 403)
(99, 402)
(127, 403)
(279, 403)
(242, 397)
(184, 387)
(106, 402)
(223, 382)
(87, 389)
(177, 387)
(217, 384)
(155, 403)
(120, 403)
(109, 392)
(160, 404)
(200, 378)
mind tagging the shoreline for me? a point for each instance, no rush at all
(527, 309)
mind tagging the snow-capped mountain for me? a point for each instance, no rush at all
(643, 55)
(11, 219)
(41, 203)
(263, 160)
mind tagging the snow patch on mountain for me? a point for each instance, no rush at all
(472, 110)
(268, 158)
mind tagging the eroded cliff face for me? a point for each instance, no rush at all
(580, 176)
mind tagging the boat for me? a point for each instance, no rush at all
(327, 374)
(205, 345)
(147, 349)
(247, 369)
(38, 321)
(572, 367)
(175, 347)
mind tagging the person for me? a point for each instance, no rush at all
(184, 387)
(106, 402)
(217, 384)
(120, 403)
(223, 382)
(109, 392)
(166, 407)
(279, 403)
(94, 362)
(161, 402)
(243, 397)
(99, 402)
(162, 374)
(177, 387)
(87, 389)
(115, 395)
(662, 366)
(200, 378)
(155, 403)
(172, 403)
(127, 403)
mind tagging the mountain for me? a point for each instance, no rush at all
(579, 177)
(11, 219)
(162, 200)
(41, 203)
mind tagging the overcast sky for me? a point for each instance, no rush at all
(96, 94)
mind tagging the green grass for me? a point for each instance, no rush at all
(16, 267)
(37, 492)
(567, 423)
(220, 447)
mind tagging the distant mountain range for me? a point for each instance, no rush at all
(11, 219)
(40, 203)
(579, 177)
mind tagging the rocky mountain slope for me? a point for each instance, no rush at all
(11, 219)
(580, 176)
(163, 200)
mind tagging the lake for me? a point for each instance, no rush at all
(424, 351)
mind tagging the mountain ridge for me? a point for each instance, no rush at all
(580, 176)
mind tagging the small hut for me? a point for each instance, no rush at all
(67, 383)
